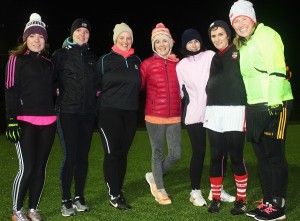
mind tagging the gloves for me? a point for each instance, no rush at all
(288, 73)
(13, 130)
(275, 109)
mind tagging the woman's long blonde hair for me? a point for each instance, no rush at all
(21, 48)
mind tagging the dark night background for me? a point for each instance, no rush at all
(142, 17)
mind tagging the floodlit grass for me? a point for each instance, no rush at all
(136, 189)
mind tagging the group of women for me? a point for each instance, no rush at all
(239, 90)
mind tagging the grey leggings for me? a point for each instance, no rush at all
(161, 164)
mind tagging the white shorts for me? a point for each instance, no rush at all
(225, 118)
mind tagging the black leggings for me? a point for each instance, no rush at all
(273, 167)
(33, 152)
(270, 154)
(75, 133)
(117, 129)
(197, 135)
(221, 144)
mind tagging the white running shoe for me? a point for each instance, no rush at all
(67, 208)
(197, 199)
(79, 204)
(34, 215)
(225, 197)
(150, 180)
(19, 216)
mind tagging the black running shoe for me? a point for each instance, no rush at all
(120, 203)
(271, 213)
(240, 207)
(214, 206)
(122, 199)
(257, 210)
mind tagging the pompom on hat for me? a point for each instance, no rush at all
(161, 31)
(80, 23)
(35, 26)
(119, 28)
(188, 35)
(219, 23)
(242, 8)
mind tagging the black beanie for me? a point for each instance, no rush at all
(80, 22)
(188, 35)
(220, 23)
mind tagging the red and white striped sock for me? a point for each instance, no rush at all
(241, 186)
(216, 186)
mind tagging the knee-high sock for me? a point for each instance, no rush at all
(216, 186)
(241, 186)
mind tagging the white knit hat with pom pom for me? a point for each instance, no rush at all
(35, 26)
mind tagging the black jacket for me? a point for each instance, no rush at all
(29, 85)
(120, 81)
(78, 79)
(225, 85)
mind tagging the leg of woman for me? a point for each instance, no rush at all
(71, 137)
(236, 141)
(86, 129)
(218, 147)
(110, 126)
(271, 163)
(275, 151)
(110, 130)
(26, 156)
(217, 144)
(45, 138)
(129, 130)
(197, 135)
(156, 134)
(173, 135)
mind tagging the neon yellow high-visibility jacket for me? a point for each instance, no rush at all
(263, 68)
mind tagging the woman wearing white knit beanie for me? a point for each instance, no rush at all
(119, 28)
(31, 119)
(269, 105)
(117, 110)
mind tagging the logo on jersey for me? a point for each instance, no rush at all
(234, 54)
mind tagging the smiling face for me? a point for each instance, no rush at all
(162, 47)
(35, 42)
(81, 36)
(243, 26)
(124, 41)
(219, 37)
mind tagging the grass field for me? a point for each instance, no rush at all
(136, 189)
